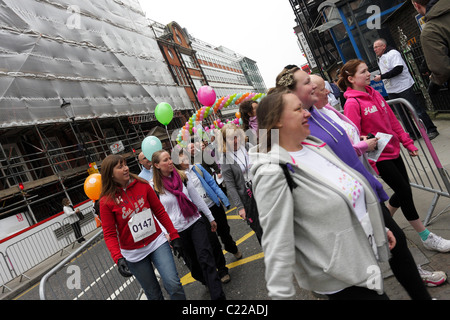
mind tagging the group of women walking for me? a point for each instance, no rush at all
(311, 196)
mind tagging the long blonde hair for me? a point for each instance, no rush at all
(158, 184)
(238, 132)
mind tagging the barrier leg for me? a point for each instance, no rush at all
(431, 209)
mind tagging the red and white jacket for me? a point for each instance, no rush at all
(115, 213)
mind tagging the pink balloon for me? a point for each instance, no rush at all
(206, 96)
(212, 126)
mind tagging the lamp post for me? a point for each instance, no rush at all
(70, 113)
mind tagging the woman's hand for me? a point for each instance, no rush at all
(242, 213)
(213, 226)
(371, 143)
(391, 239)
(414, 153)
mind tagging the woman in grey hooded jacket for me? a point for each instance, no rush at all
(322, 221)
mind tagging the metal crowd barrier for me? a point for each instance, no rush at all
(25, 254)
(88, 273)
(425, 171)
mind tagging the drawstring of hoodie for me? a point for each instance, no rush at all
(320, 125)
(331, 123)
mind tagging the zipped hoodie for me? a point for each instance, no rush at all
(137, 197)
(371, 114)
(327, 130)
(313, 232)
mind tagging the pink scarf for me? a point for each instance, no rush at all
(253, 123)
(175, 186)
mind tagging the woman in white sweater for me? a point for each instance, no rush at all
(183, 203)
(322, 221)
(72, 217)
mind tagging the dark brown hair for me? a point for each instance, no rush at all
(422, 2)
(348, 70)
(245, 108)
(109, 186)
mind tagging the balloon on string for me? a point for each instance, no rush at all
(206, 96)
(93, 186)
(164, 113)
(150, 145)
(211, 107)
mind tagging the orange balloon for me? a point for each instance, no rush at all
(238, 115)
(93, 186)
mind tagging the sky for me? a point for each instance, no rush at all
(260, 30)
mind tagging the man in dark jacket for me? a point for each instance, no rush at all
(435, 39)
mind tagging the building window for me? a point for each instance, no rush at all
(190, 63)
(17, 170)
(57, 154)
(171, 55)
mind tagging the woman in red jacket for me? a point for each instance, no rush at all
(128, 208)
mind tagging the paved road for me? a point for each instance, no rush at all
(247, 274)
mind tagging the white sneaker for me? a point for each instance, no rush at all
(432, 279)
(436, 243)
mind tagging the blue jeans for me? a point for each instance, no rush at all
(163, 260)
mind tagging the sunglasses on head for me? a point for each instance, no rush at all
(290, 66)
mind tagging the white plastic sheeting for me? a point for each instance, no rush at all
(100, 56)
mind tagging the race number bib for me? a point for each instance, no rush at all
(142, 225)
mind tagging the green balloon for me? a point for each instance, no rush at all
(164, 113)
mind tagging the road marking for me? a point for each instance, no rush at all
(234, 217)
(121, 288)
(232, 209)
(25, 292)
(189, 279)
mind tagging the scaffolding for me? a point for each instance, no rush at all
(51, 161)
(103, 59)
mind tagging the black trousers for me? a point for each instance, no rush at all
(219, 258)
(402, 262)
(357, 293)
(394, 173)
(199, 254)
(223, 228)
(77, 230)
